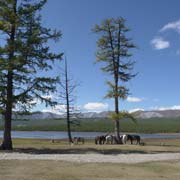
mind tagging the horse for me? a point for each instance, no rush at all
(109, 139)
(127, 137)
(135, 137)
(78, 139)
(112, 139)
(124, 138)
(100, 139)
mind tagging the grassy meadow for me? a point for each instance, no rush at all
(62, 146)
(153, 125)
(60, 170)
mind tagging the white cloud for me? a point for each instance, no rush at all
(178, 52)
(96, 106)
(50, 96)
(159, 43)
(134, 99)
(58, 109)
(34, 101)
(38, 101)
(171, 26)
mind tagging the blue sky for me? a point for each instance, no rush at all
(155, 29)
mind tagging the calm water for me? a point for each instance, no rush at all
(61, 135)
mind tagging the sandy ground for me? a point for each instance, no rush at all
(93, 158)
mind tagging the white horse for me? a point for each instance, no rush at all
(109, 139)
(127, 137)
(124, 138)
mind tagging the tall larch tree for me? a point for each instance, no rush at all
(113, 51)
(66, 96)
(24, 58)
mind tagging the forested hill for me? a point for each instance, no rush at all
(105, 114)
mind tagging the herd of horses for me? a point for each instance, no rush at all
(111, 139)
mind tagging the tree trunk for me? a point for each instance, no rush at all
(69, 131)
(68, 123)
(67, 105)
(116, 104)
(7, 142)
(117, 129)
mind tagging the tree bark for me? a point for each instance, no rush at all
(116, 76)
(67, 104)
(7, 141)
(117, 127)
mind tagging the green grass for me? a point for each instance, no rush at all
(154, 125)
(58, 170)
(62, 146)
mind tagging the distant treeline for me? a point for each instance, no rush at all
(153, 125)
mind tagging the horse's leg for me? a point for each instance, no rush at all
(103, 139)
(124, 140)
(97, 140)
(107, 141)
(131, 140)
(111, 140)
(100, 140)
(139, 140)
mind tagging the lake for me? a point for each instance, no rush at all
(62, 135)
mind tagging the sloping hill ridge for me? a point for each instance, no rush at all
(159, 114)
(137, 114)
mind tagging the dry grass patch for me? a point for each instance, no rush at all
(58, 170)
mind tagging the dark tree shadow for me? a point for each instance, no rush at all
(80, 151)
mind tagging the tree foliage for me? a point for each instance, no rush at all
(24, 57)
(122, 115)
(113, 51)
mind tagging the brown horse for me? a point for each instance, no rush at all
(134, 137)
(100, 139)
(78, 140)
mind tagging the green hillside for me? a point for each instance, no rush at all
(154, 125)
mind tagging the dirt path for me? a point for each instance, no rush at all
(93, 158)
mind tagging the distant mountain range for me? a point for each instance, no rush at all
(157, 113)
(137, 114)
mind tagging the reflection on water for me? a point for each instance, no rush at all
(61, 135)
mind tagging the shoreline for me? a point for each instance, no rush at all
(87, 135)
